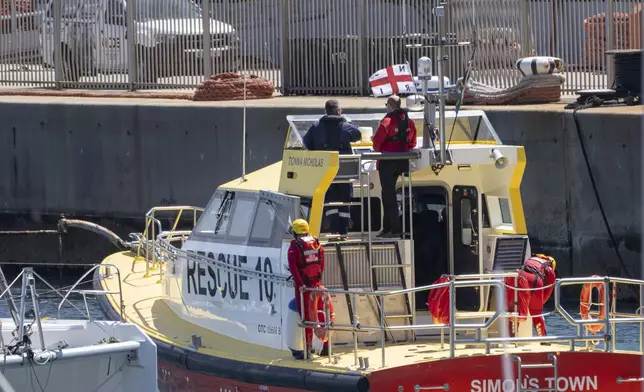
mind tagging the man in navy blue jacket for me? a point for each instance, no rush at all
(334, 133)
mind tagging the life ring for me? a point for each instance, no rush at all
(317, 309)
(585, 302)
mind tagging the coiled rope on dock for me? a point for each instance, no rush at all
(531, 89)
(230, 86)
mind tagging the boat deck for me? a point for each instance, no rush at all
(144, 305)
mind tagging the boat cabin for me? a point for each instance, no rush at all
(463, 218)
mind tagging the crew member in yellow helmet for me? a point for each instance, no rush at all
(306, 263)
(536, 282)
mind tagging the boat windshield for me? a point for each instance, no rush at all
(294, 138)
(471, 126)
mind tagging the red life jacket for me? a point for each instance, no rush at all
(311, 260)
(538, 267)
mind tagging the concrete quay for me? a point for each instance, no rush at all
(112, 159)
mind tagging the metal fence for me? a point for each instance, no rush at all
(302, 46)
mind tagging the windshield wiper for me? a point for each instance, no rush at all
(281, 219)
(224, 207)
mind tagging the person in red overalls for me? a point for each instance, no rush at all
(306, 263)
(536, 283)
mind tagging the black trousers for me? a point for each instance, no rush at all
(389, 171)
(338, 216)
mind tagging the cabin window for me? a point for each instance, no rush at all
(242, 218)
(263, 226)
(506, 216)
(466, 219)
(208, 219)
(305, 207)
(466, 213)
(486, 214)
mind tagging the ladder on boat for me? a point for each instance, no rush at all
(551, 365)
(351, 172)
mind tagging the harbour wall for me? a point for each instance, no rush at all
(110, 162)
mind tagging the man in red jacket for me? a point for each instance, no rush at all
(396, 133)
(536, 283)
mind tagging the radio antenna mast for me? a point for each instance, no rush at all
(245, 76)
(440, 43)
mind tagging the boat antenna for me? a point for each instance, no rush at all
(439, 158)
(439, 11)
(466, 76)
(245, 76)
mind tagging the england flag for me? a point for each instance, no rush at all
(395, 79)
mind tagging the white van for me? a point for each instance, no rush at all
(169, 35)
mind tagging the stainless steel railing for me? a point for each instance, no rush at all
(154, 228)
(28, 289)
(481, 281)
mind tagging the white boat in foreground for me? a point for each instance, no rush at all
(53, 355)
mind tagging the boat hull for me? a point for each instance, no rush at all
(577, 371)
(174, 378)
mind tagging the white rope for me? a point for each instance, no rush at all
(535, 289)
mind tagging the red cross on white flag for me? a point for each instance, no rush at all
(395, 79)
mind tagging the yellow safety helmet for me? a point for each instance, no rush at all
(552, 260)
(300, 227)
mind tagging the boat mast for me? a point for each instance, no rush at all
(424, 74)
(439, 11)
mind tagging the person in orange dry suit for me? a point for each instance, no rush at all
(535, 283)
(306, 264)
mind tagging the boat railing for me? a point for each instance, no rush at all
(482, 280)
(154, 228)
(608, 286)
(361, 178)
(27, 278)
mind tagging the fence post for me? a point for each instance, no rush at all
(526, 31)
(206, 44)
(363, 56)
(609, 25)
(14, 26)
(58, 63)
(286, 55)
(131, 37)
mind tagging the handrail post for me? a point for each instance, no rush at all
(361, 185)
(452, 316)
(303, 319)
(355, 335)
(515, 320)
(641, 323)
(613, 314)
(147, 248)
(382, 328)
(327, 314)
(608, 333)
(154, 241)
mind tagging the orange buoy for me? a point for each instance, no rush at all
(318, 304)
(585, 302)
